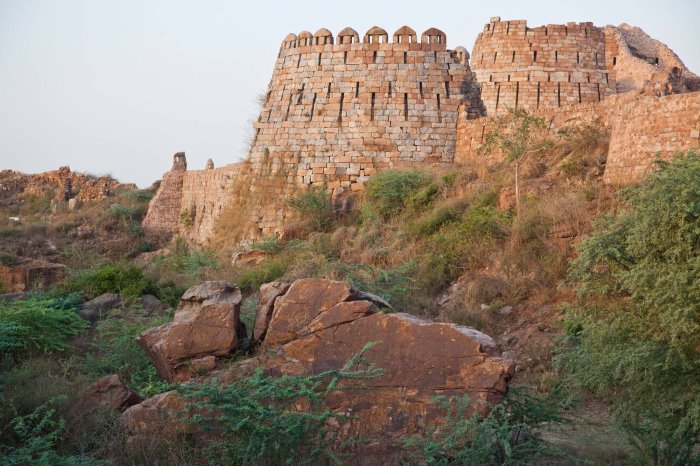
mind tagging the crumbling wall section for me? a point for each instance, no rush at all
(642, 128)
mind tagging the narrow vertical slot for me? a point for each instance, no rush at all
(340, 109)
(371, 108)
(313, 107)
(598, 92)
(374, 57)
(558, 94)
(447, 89)
(439, 113)
(328, 91)
(405, 106)
(517, 93)
(289, 104)
(579, 92)
(538, 94)
(319, 58)
(498, 95)
(405, 58)
(420, 89)
(298, 60)
(357, 89)
(345, 58)
(301, 94)
(390, 90)
(512, 60)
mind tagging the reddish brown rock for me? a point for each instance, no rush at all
(303, 302)
(207, 323)
(109, 392)
(269, 293)
(317, 327)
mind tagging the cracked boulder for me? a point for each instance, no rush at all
(319, 325)
(206, 325)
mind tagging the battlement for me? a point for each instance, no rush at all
(375, 39)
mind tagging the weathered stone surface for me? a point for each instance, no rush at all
(315, 328)
(300, 305)
(206, 323)
(269, 292)
(110, 392)
(100, 307)
(19, 274)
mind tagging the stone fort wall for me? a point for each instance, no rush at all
(340, 108)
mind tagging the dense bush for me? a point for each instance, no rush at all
(634, 333)
(389, 192)
(256, 425)
(39, 434)
(118, 353)
(314, 207)
(39, 322)
(503, 437)
(126, 279)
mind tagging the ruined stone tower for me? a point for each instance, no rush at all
(338, 108)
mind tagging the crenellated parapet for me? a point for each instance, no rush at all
(375, 39)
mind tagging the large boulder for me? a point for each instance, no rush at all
(100, 307)
(206, 324)
(319, 325)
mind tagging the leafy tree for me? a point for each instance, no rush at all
(634, 334)
(518, 135)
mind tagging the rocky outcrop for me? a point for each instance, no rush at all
(19, 274)
(318, 325)
(61, 185)
(206, 324)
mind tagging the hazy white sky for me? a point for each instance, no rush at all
(119, 86)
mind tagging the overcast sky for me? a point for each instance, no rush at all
(119, 86)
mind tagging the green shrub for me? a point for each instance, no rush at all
(503, 437)
(256, 423)
(10, 232)
(8, 259)
(120, 211)
(266, 271)
(315, 207)
(139, 196)
(118, 353)
(39, 434)
(125, 279)
(39, 323)
(634, 333)
(435, 219)
(389, 191)
(170, 293)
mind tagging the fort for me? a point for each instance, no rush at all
(338, 109)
